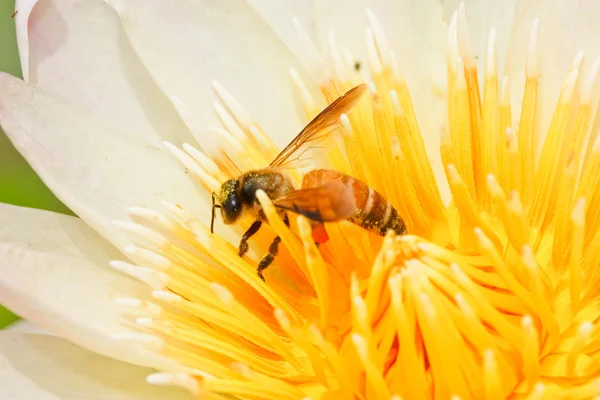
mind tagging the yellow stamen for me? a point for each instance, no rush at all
(527, 126)
(505, 123)
(491, 296)
(490, 123)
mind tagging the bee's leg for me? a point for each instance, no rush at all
(244, 242)
(270, 256)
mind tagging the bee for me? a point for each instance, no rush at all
(325, 195)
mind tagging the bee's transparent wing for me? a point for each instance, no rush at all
(318, 129)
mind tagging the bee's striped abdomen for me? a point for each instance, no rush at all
(373, 212)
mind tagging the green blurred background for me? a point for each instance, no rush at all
(18, 183)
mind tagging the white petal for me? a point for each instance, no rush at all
(23, 9)
(43, 367)
(186, 44)
(71, 299)
(23, 326)
(54, 233)
(565, 28)
(46, 278)
(93, 167)
(78, 49)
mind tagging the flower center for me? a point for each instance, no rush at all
(489, 296)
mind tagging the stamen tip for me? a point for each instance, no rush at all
(168, 145)
(539, 388)
(216, 85)
(479, 233)
(182, 380)
(488, 354)
(159, 379)
(283, 319)
(596, 145)
(331, 37)
(294, 75)
(585, 328)
(578, 214)
(222, 293)
(129, 249)
(166, 296)
(154, 279)
(372, 88)
(144, 321)
(453, 174)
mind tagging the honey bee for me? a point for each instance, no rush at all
(325, 196)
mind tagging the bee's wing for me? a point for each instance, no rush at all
(326, 196)
(319, 128)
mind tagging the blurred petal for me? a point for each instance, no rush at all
(186, 44)
(44, 279)
(23, 9)
(23, 326)
(67, 297)
(43, 367)
(565, 28)
(78, 49)
(97, 170)
(54, 233)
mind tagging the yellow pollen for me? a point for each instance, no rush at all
(493, 295)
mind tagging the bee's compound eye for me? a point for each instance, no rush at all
(231, 209)
(232, 205)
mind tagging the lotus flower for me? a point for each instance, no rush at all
(479, 126)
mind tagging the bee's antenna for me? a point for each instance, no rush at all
(214, 205)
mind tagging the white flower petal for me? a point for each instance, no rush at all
(71, 299)
(186, 44)
(23, 9)
(23, 326)
(54, 233)
(565, 28)
(78, 49)
(43, 367)
(54, 272)
(93, 167)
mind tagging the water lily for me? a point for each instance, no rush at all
(479, 125)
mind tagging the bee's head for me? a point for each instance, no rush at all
(229, 203)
